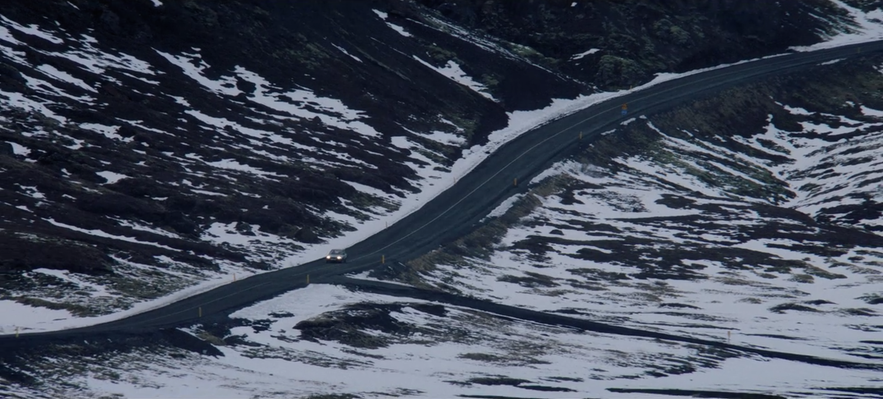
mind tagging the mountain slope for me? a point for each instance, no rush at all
(166, 143)
(682, 222)
(621, 43)
(151, 146)
(137, 160)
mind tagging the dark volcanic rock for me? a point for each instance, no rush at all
(26, 252)
(636, 38)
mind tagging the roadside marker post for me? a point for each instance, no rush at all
(16, 331)
(514, 182)
(308, 279)
(382, 259)
(200, 311)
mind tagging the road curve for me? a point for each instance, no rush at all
(455, 211)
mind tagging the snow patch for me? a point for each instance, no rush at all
(111, 177)
(584, 53)
(452, 71)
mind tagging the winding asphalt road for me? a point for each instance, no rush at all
(457, 210)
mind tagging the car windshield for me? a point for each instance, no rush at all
(336, 252)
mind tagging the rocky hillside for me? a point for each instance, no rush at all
(752, 237)
(147, 145)
(610, 44)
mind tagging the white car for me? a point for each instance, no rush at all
(336, 256)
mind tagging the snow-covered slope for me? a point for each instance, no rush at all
(135, 172)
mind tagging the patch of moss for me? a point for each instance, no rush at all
(440, 55)
(792, 306)
(802, 278)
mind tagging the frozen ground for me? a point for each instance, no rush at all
(579, 253)
(387, 347)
